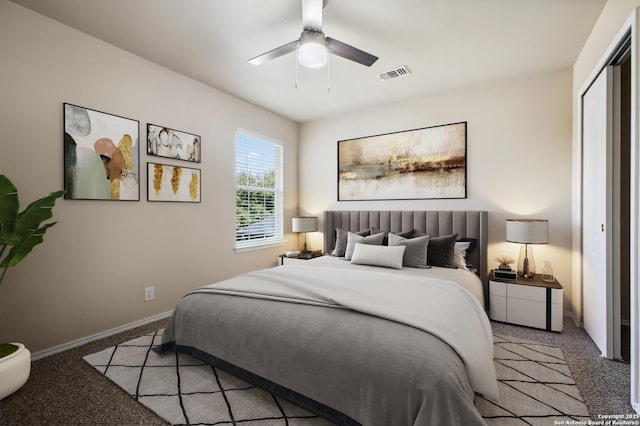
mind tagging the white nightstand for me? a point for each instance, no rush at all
(531, 302)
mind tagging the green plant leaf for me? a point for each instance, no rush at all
(24, 247)
(37, 212)
(9, 206)
(21, 231)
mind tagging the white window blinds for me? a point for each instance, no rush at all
(259, 209)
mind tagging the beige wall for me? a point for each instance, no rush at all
(90, 273)
(519, 158)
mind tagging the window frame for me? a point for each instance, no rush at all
(278, 238)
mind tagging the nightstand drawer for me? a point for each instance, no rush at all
(498, 308)
(527, 312)
(497, 289)
(526, 292)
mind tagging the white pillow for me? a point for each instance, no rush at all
(460, 253)
(352, 239)
(390, 257)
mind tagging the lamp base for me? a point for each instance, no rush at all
(526, 262)
(526, 274)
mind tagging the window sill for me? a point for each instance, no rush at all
(259, 246)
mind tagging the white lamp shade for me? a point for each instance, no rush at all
(304, 224)
(528, 231)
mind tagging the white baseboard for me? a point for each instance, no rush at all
(66, 346)
(574, 319)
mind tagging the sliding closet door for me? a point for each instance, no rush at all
(597, 286)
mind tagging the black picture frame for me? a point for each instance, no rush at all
(425, 163)
(171, 183)
(101, 155)
(166, 142)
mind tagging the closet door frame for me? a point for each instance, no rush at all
(629, 29)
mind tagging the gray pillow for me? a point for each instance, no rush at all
(352, 239)
(441, 251)
(341, 241)
(412, 233)
(415, 254)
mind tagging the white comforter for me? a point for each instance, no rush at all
(461, 277)
(437, 306)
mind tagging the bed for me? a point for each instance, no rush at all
(354, 342)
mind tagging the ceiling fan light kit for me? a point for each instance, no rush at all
(312, 46)
(312, 50)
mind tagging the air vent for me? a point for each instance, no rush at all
(398, 72)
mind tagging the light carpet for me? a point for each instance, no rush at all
(536, 387)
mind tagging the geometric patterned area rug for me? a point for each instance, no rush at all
(186, 391)
(536, 387)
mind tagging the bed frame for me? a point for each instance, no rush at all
(467, 223)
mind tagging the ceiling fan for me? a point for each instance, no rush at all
(313, 46)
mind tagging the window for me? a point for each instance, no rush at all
(259, 209)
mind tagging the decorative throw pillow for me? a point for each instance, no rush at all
(415, 255)
(459, 254)
(441, 251)
(389, 257)
(412, 233)
(341, 241)
(375, 230)
(352, 239)
(463, 248)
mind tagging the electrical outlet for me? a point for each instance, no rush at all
(149, 294)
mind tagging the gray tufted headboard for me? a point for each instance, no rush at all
(467, 223)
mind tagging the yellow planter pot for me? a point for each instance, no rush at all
(14, 370)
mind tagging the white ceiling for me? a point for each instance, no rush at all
(445, 43)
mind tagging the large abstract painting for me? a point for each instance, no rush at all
(100, 155)
(425, 163)
(171, 143)
(172, 183)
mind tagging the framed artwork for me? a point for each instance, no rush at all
(172, 183)
(427, 163)
(101, 155)
(171, 143)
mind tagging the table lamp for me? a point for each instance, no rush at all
(527, 231)
(304, 224)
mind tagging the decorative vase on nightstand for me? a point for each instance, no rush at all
(547, 272)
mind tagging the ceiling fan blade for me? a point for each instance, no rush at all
(349, 52)
(312, 15)
(275, 53)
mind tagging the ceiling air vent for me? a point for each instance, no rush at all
(398, 72)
